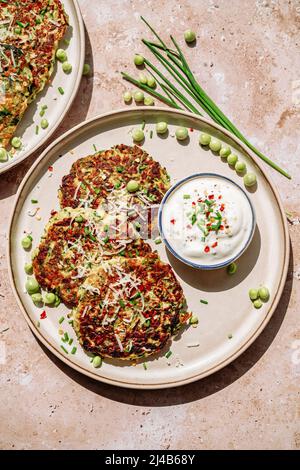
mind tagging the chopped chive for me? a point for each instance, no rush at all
(186, 196)
(38, 324)
(37, 128)
(157, 241)
(43, 110)
(74, 350)
(61, 90)
(61, 320)
(230, 336)
(66, 336)
(143, 125)
(145, 365)
(135, 296)
(70, 322)
(34, 201)
(169, 353)
(106, 228)
(203, 301)
(151, 134)
(122, 303)
(194, 219)
(95, 148)
(105, 240)
(70, 341)
(64, 349)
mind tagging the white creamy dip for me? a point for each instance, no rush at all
(207, 220)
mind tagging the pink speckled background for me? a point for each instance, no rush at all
(247, 57)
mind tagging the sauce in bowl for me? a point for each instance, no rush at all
(206, 220)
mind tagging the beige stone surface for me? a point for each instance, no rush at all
(247, 57)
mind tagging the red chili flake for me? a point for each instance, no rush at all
(211, 196)
(53, 212)
(207, 249)
(214, 245)
(172, 221)
(220, 197)
(222, 207)
(191, 129)
(43, 315)
(221, 227)
(199, 200)
(50, 168)
(193, 203)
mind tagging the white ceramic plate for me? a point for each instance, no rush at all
(58, 105)
(229, 310)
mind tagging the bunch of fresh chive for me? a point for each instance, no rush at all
(176, 65)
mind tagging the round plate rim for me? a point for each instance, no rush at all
(28, 153)
(211, 370)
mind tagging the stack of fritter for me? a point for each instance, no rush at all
(29, 34)
(127, 302)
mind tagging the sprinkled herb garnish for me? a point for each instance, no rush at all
(74, 349)
(61, 90)
(203, 301)
(61, 320)
(34, 201)
(168, 354)
(145, 365)
(64, 349)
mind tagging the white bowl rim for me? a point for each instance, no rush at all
(174, 252)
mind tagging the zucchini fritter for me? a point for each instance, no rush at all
(102, 177)
(129, 308)
(74, 243)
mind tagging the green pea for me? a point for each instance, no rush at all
(138, 96)
(215, 145)
(26, 242)
(232, 159)
(28, 268)
(97, 362)
(61, 55)
(16, 142)
(253, 294)
(240, 167)
(148, 101)
(264, 294)
(3, 155)
(133, 186)
(189, 36)
(57, 301)
(127, 97)
(161, 127)
(138, 59)
(194, 320)
(181, 133)
(225, 151)
(67, 67)
(32, 286)
(204, 139)
(257, 303)
(44, 123)
(249, 179)
(143, 78)
(49, 298)
(151, 82)
(86, 70)
(232, 268)
(138, 135)
(37, 298)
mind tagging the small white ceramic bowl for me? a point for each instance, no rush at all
(176, 252)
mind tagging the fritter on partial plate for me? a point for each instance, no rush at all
(129, 308)
(76, 241)
(102, 178)
(29, 34)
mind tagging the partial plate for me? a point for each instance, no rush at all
(58, 105)
(228, 324)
